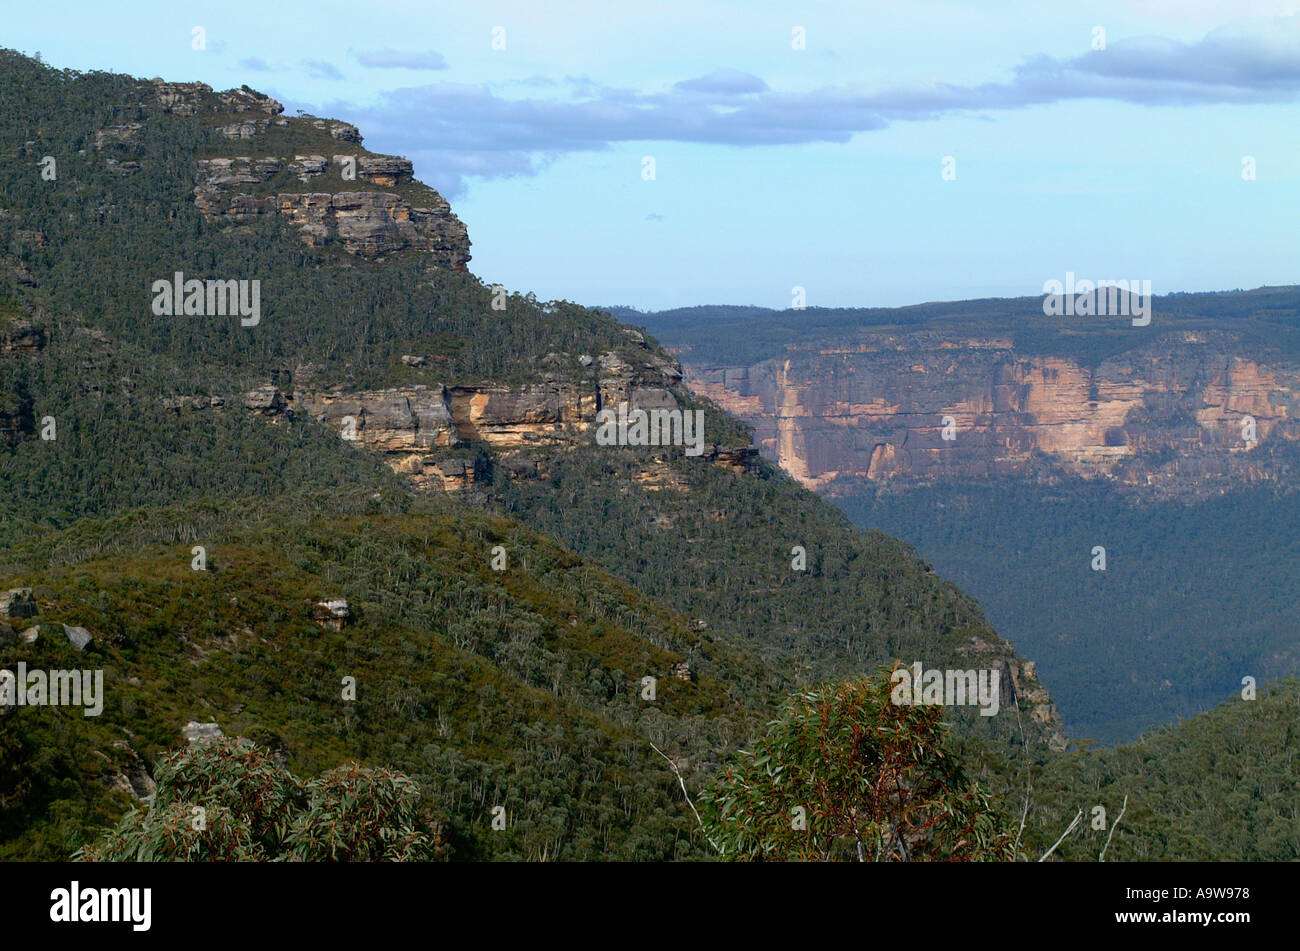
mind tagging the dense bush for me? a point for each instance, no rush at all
(846, 774)
(227, 801)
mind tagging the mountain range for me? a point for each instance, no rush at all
(1119, 498)
(374, 524)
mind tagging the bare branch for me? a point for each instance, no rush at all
(1102, 857)
(1023, 816)
(1077, 817)
(688, 797)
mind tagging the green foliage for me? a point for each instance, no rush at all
(361, 815)
(1183, 610)
(846, 774)
(225, 800)
(1218, 787)
(517, 688)
(742, 336)
(169, 833)
(721, 551)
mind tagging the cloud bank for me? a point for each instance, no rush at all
(460, 131)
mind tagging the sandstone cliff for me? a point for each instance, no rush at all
(1187, 413)
(428, 432)
(334, 190)
(235, 189)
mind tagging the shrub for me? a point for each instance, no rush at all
(845, 774)
(228, 801)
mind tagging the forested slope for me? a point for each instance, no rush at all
(128, 437)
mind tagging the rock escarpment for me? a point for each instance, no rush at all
(412, 426)
(428, 432)
(312, 171)
(1182, 415)
(367, 204)
(235, 189)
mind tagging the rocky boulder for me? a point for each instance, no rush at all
(333, 613)
(363, 222)
(384, 170)
(343, 131)
(307, 167)
(196, 732)
(266, 400)
(17, 603)
(78, 637)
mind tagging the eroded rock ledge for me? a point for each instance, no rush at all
(369, 223)
(418, 428)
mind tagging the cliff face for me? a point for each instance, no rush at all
(367, 204)
(362, 222)
(1182, 415)
(420, 428)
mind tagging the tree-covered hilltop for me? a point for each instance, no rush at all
(735, 336)
(84, 249)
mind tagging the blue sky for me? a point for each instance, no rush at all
(774, 166)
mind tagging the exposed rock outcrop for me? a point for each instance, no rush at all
(369, 223)
(117, 136)
(17, 603)
(179, 403)
(21, 336)
(132, 776)
(266, 401)
(196, 733)
(419, 428)
(343, 131)
(78, 637)
(333, 614)
(1170, 415)
(375, 223)
(391, 421)
(384, 170)
(188, 99)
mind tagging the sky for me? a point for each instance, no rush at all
(871, 153)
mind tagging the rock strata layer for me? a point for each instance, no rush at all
(1182, 416)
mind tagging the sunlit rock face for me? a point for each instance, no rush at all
(1185, 414)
